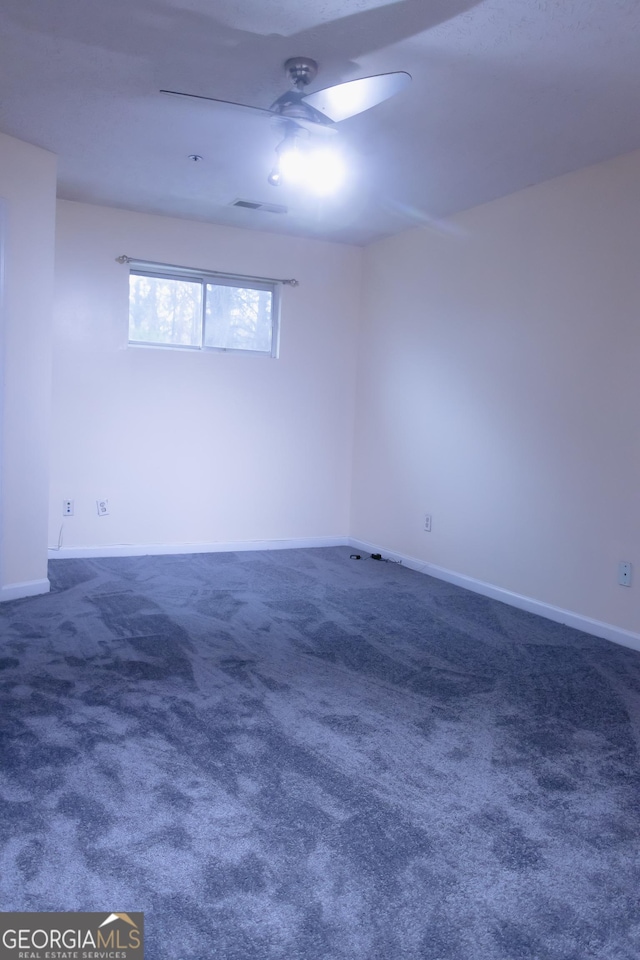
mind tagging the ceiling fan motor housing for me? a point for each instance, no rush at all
(301, 70)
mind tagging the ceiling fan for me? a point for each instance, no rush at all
(310, 114)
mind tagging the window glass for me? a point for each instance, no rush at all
(165, 310)
(238, 318)
(200, 311)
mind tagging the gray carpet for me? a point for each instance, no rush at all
(299, 756)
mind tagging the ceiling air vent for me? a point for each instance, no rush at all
(256, 205)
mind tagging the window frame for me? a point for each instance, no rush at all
(209, 277)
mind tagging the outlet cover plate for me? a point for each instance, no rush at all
(624, 573)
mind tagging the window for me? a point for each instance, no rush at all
(183, 308)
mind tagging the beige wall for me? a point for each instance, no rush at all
(27, 214)
(499, 390)
(199, 448)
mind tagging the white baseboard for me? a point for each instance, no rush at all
(30, 588)
(160, 549)
(594, 627)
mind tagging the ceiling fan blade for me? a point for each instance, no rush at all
(319, 127)
(311, 126)
(347, 99)
(228, 103)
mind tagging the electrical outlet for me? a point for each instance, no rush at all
(103, 507)
(624, 573)
(427, 523)
(67, 508)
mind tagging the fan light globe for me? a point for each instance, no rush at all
(292, 163)
(302, 164)
(325, 172)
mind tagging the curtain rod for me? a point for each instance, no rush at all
(211, 273)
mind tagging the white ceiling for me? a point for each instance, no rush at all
(505, 93)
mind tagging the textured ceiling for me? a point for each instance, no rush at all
(505, 93)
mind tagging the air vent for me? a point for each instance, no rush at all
(256, 205)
